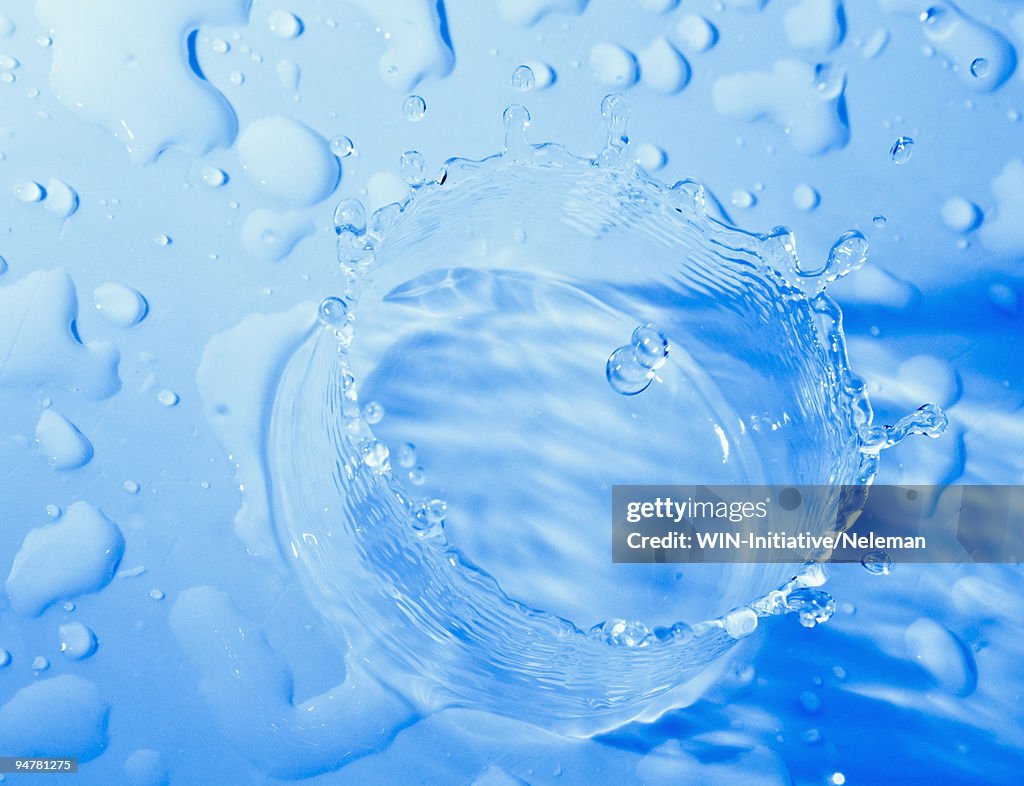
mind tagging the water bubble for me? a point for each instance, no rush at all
(350, 216)
(624, 633)
(650, 346)
(407, 455)
(414, 108)
(53, 511)
(813, 606)
(373, 413)
(901, 150)
(332, 312)
(740, 623)
(413, 167)
(625, 373)
(877, 562)
(848, 253)
(417, 476)
(523, 78)
(28, 191)
(980, 67)
(167, 398)
(342, 146)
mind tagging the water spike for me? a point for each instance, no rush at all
(780, 247)
(350, 216)
(413, 168)
(615, 111)
(928, 420)
(517, 120)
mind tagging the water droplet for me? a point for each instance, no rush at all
(837, 779)
(76, 640)
(53, 511)
(350, 216)
(413, 167)
(284, 24)
(28, 191)
(928, 420)
(740, 623)
(879, 220)
(167, 398)
(213, 177)
(829, 80)
(161, 240)
(848, 253)
(650, 346)
(417, 476)
(901, 150)
(805, 197)
(407, 455)
(332, 312)
(980, 68)
(131, 487)
(373, 413)
(39, 663)
(523, 78)
(157, 594)
(220, 46)
(342, 146)
(742, 198)
(7, 62)
(5, 658)
(877, 562)
(414, 108)
(236, 78)
(813, 606)
(435, 511)
(625, 373)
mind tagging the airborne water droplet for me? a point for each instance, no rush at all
(877, 562)
(848, 253)
(332, 312)
(980, 68)
(901, 150)
(813, 606)
(342, 146)
(650, 347)
(414, 108)
(523, 79)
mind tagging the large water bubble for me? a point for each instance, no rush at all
(541, 327)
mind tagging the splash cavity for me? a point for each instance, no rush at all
(520, 334)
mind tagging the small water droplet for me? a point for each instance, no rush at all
(829, 80)
(373, 413)
(162, 240)
(980, 68)
(167, 398)
(742, 198)
(28, 191)
(284, 24)
(131, 487)
(877, 562)
(523, 78)
(236, 78)
(214, 177)
(39, 663)
(332, 312)
(879, 220)
(220, 46)
(413, 168)
(53, 511)
(414, 108)
(417, 476)
(625, 374)
(901, 150)
(407, 455)
(813, 606)
(157, 594)
(342, 146)
(938, 20)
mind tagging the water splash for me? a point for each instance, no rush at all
(479, 313)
